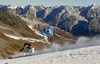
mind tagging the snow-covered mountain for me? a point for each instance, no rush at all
(68, 18)
(11, 6)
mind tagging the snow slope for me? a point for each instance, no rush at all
(85, 55)
(86, 51)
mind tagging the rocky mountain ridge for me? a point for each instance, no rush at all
(78, 20)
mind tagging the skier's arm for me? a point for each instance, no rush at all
(24, 47)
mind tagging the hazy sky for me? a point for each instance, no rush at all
(50, 2)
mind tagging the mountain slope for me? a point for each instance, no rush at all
(8, 46)
(14, 32)
(36, 26)
(14, 23)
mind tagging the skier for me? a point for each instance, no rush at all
(29, 48)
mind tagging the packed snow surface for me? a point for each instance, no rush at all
(86, 51)
(86, 55)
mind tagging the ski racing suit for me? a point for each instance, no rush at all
(29, 48)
